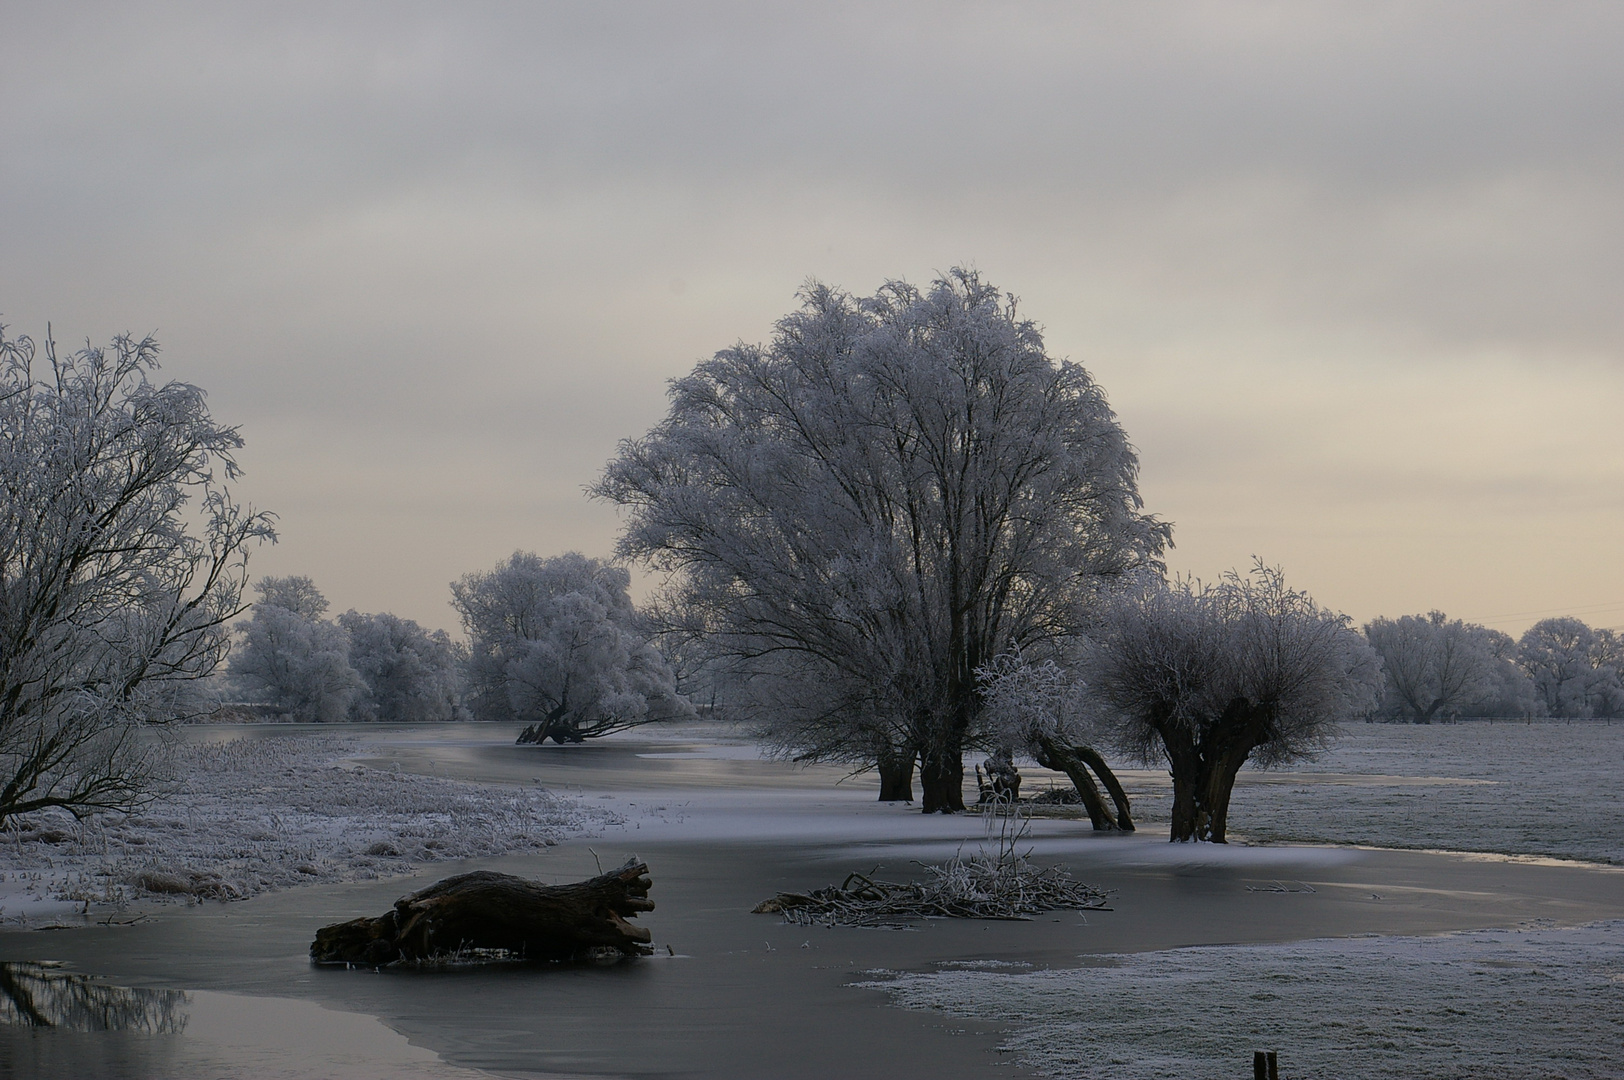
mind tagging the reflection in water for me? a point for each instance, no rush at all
(57, 1024)
(33, 995)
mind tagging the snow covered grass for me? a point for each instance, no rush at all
(1533, 789)
(1537, 1002)
(249, 815)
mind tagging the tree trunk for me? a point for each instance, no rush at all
(1204, 773)
(1200, 801)
(486, 910)
(896, 776)
(1057, 755)
(1217, 786)
(1190, 819)
(941, 781)
(1124, 815)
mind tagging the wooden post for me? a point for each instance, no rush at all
(1274, 1066)
(1260, 1065)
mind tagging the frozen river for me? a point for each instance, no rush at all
(747, 996)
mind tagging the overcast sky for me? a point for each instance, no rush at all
(1350, 273)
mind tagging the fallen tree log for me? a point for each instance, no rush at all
(486, 913)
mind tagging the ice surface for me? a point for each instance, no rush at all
(1535, 1002)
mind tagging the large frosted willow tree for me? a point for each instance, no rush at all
(858, 516)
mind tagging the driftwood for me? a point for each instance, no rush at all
(485, 914)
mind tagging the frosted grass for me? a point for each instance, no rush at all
(1549, 789)
(1539, 1002)
(243, 817)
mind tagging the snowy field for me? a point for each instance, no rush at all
(1519, 1005)
(1549, 789)
(250, 815)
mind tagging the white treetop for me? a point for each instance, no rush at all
(1434, 665)
(291, 658)
(1575, 669)
(1026, 703)
(409, 674)
(556, 643)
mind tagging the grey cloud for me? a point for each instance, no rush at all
(402, 242)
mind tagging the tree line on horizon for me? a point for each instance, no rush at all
(553, 643)
(1438, 668)
(592, 665)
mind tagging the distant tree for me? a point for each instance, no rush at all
(1043, 709)
(858, 516)
(1434, 665)
(291, 658)
(122, 559)
(1209, 677)
(296, 594)
(1607, 657)
(1573, 668)
(1511, 692)
(409, 675)
(557, 644)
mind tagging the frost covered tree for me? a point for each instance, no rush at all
(291, 658)
(1043, 708)
(1572, 667)
(1434, 665)
(408, 674)
(1207, 678)
(856, 517)
(1511, 692)
(122, 559)
(1607, 657)
(556, 643)
(296, 594)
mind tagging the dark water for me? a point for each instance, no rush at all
(744, 995)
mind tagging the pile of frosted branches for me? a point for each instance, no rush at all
(1003, 885)
(976, 888)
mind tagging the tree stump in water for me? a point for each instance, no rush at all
(490, 911)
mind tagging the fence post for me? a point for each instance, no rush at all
(1260, 1065)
